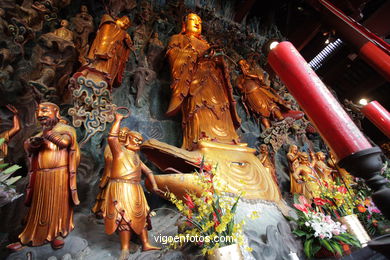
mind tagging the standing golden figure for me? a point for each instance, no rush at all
(7, 135)
(305, 175)
(257, 96)
(293, 162)
(266, 160)
(125, 208)
(323, 170)
(54, 156)
(111, 48)
(97, 208)
(200, 88)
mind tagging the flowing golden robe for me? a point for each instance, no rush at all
(52, 189)
(99, 204)
(201, 89)
(293, 161)
(110, 50)
(311, 183)
(124, 204)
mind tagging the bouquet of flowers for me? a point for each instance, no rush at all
(210, 215)
(320, 231)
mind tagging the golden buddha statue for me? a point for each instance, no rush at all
(111, 48)
(258, 96)
(293, 162)
(64, 32)
(7, 135)
(306, 175)
(200, 88)
(54, 156)
(97, 208)
(125, 208)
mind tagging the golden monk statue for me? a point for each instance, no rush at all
(293, 162)
(97, 208)
(306, 175)
(347, 178)
(323, 170)
(63, 32)
(201, 88)
(7, 135)
(258, 96)
(265, 159)
(111, 48)
(54, 156)
(125, 207)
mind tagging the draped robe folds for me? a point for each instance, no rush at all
(51, 192)
(124, 199)
(99, 204)
(295, 187)
(110, 50)
(201, 89)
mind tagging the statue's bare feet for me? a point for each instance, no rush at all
(125, 253)
(149, 247)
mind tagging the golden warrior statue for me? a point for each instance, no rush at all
(200, 88)
(7, 135)
(111, 48)
(257, 95)
(54, 156)
(98, 207)
(125, 207)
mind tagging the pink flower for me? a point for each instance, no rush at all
(303, 201)
(301, 208)
(342, 189)
(336, 232)
(322, 236)
(375, 210)
(327, 219)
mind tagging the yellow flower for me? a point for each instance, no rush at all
(249, 249)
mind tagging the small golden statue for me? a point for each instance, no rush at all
(345, 176)
(305, 175)
(63, 32)
(7, 135)
(97, 208)
(111, 48)
(258, 96)
(125, 207)
(293, 162)
(201, 88)
(266, 160)
(54, 156)
(323, 170)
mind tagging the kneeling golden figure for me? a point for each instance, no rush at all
(125, 207)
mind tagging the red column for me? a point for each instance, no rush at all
(377, 58)
(378, 115)
(330, 119)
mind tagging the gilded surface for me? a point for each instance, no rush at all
(293, 160)
(54, 156)
(200, 88)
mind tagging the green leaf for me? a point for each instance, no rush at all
(315, 247)
(3, 165)
(336, 246)
(11, 169)
(2, 141)
(307, 248)
(299, 233)
(12, 180)
(326, 244)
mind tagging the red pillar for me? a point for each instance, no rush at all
(378, 115)
(330, 119)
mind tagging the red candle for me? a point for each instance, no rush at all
(378, 115)
(330, 119)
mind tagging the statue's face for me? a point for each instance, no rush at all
(64, 23)
(263, 148)
(294, 149)
(84, 9)
(123, 134)
(321, 156)
(244, 66)
(134, 141)
(193, 24)
(123, 22)
(46, 113)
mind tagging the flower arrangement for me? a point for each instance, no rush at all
(210, 215)
(320, 230)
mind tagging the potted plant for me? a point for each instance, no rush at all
(320, 232)
(211, 216)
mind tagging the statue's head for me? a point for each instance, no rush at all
(48, 114)
(293, 149)
(244, 66)
(123, 132)
(192, 24)
(64, 23)
(303, 157)
(84, 9)
(263, 148)
(320, 156)
(134, 141)
(124, 22)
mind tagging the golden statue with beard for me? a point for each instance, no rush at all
(97, 208)
(200, 88)
(125, 208)
(54, 156)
